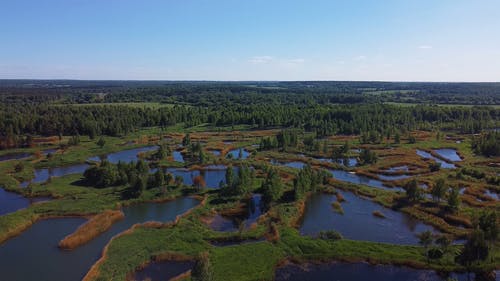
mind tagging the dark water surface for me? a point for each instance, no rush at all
(129, 155)
(449, 154)
(358, 221)
(239, 153)
(178, 156)
(427, 155)
(14, 156)
(42, 175)
(212, 174)
(357, 272)
(163, 270)
(34, 254)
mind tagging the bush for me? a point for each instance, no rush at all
(435, 253)
(434, 167)
(19, 167)
(330, 235)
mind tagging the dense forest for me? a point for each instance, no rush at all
(325, 108)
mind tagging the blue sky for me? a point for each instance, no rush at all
(398, 40)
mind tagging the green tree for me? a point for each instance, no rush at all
(367, 156)
(272, 186)
(101, 142)
(413, 191)
(444, 242)
(230, 177)
(425, 239)
(439, 189)
(474, 250)
(488, 223)
(159, 178)
(179, 181)
(453, 199)
(397, 138)
(186, 141)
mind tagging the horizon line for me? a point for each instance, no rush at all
(237, 81)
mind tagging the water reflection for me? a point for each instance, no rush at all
(36, 248)
(358, 221)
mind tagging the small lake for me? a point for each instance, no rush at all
(34, 254)
(215, 152)
(427, 155)
(347, 176)
(239, 153)
(492, 194)
(403, 168)
(293, 164)
(254, 210)
(49, 151)
(212, 174)
(339, 271)
(348, 162)
(449, 154)
(127, 156)
(14, 156)
(178, 156)
(358, 221)
(359, 179)
(162, 270)
(11, 201)
(42, 175)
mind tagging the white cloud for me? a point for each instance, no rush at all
(425, 47)
(260, 59)
(358, 58)
(296, 61)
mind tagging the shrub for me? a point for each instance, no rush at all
(330, 235)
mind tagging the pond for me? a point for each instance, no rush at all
(427, 155)
(449, 154)
(359, 179)
(42, 175)
(129, 155)
(14, 156)
(254, 209)
(358, 221)
(162, 270)
(225, 224)
(339, 271)
(348, 162)
(212, 174)
(11, 201)
(491, 194)
(293, 164)
(34, 254)
(403, 168)
(49, 151)
(345, 176)
(215, 152)
(178, 156)
(392, 177)
(239, 153)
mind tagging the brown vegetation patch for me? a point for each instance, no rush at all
(378, 214)
(422, 214)
(91, 229)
